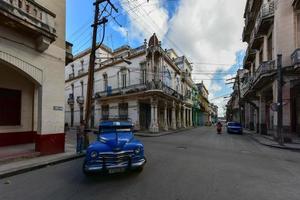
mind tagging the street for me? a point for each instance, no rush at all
(195, 164)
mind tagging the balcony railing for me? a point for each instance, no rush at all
(150, 85)
(30, 17)
(80, 72)
(71, 76)
(80, 100)
(264, 68)
(296, 57)
(71, 100)
(267, 11)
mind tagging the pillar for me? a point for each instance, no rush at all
(166, 117)
(191, 117)
(265, 49)
(262, 115)
(251, 118)
(179, 116)
(173, 124)
(154, 117)
(184, 117)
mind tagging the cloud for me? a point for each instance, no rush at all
(146, 18)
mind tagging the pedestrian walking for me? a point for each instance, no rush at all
(80, 137)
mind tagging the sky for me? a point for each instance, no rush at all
(207, 32)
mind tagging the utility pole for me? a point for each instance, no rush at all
(279, 99)
(91, 71)
(239, 96)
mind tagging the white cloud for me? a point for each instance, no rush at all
(146, 18)
(209, 32)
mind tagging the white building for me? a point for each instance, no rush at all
(154, 91)
(32, 59)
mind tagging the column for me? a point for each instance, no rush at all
(191, 118)
(265, 49)
(154, 125)
(179, 116)
(173, 124)
(166, 128)
(251, 118)
(262, 115)
(184, 117)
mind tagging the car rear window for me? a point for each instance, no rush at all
(234, 124)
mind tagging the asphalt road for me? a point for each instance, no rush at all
(196, 164)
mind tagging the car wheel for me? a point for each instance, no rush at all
(138, 169)
(85, 172)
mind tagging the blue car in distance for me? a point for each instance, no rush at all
(234, 127)
(115, 151)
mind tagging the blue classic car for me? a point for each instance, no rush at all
(116, 150)
(234, 127)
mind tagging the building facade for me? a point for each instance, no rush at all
(272, 28)
(149, 85)
(204, 104)
(32, 59)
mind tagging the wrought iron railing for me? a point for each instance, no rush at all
(264, 68)
(296, 57)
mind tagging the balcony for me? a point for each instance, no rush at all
(29, 19)
(263, 73)
(69, 53)
(71, 76)
(81, 72)
(80, 100)
(246, 85)
(296, 4)
(249, 57)
(296, 59)
(255, 40)
(149, 86)
(265, 18)
(71, 100)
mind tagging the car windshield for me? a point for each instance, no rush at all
(233, 124)
(113, 129)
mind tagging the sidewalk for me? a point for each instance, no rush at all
(149, 134)
(24, 158)
(270, 142)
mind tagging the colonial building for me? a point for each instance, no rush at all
(204, 104)
(271, 28)
(32, 59)
(149, 85)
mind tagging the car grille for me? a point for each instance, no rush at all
(115, 158)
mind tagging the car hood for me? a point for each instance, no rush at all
(116, 141)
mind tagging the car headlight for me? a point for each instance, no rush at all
(93, 154)
(137, 150)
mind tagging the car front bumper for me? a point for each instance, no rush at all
(125, 165)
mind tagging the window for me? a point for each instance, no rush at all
(143, 73)
(20, 4)
(27, 8)
(105, 112)
(123, 111)
(10, 107)
(105, 82)
(124, 78)
(35, 12)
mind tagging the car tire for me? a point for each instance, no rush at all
(139, 169)
(85, 172)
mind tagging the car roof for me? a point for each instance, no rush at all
(114, 123)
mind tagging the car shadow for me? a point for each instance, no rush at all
(105, 177)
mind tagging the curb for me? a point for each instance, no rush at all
(273, 146)
(39, 165)
(160, 134)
